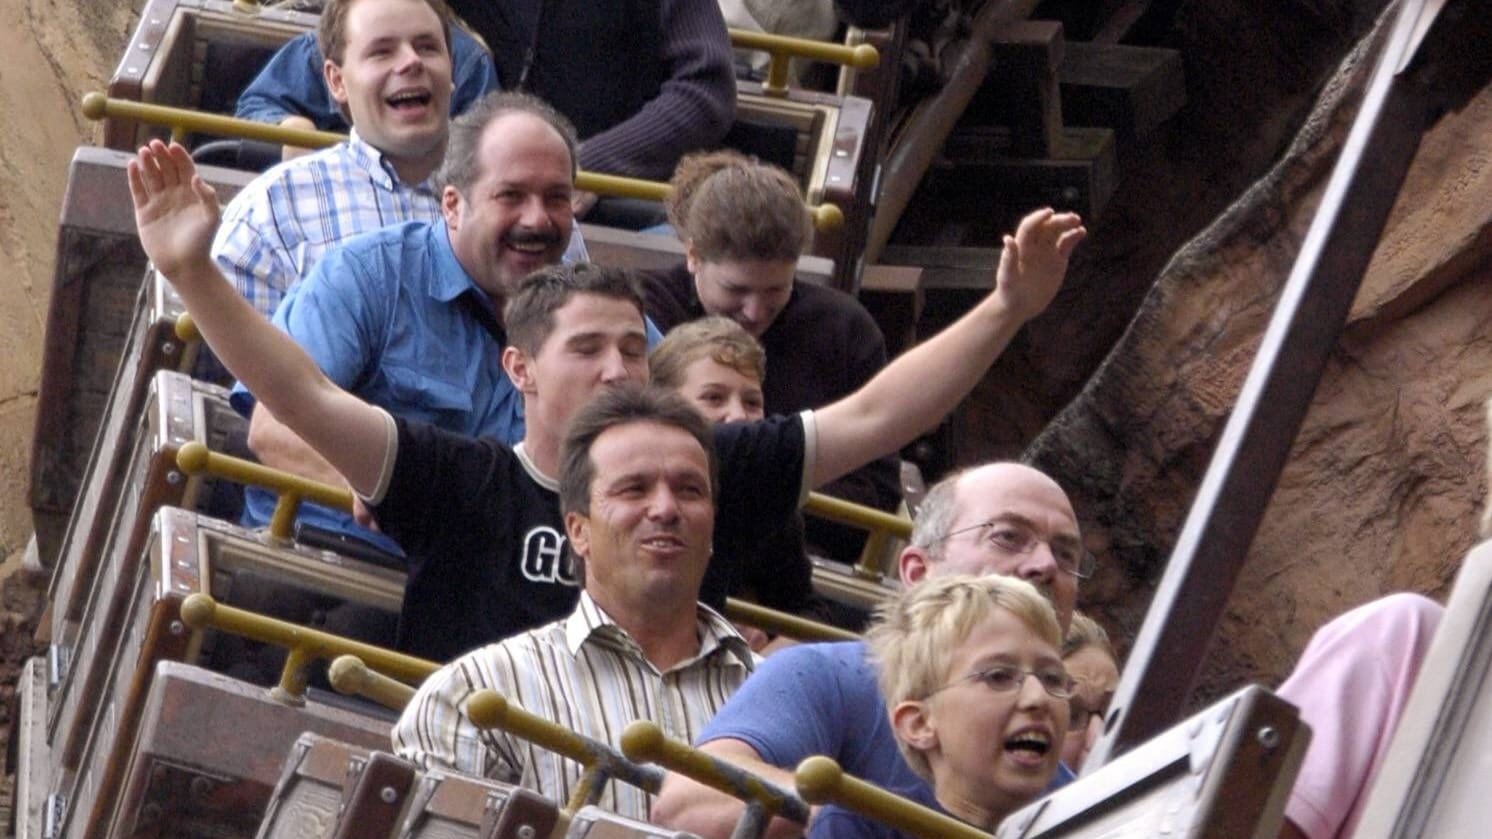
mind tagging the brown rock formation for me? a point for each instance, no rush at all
(1385, 478)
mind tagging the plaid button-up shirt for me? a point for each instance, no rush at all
(584, 673)
(281, 224)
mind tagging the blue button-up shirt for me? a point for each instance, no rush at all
(382, 317)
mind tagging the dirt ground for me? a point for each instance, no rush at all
(55, 51)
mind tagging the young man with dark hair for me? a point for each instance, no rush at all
(408, 317)
(442, 494)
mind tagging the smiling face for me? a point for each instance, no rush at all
(749, 292)
(515, 217)
(721, 392)
(647, 538)
(394, 79)
(990, 752)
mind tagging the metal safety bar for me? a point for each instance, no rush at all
(882, 527)
(350, 675)
(820, 781)
(182, 121)
(304, 644)
(783, 49)
(490, 709)
(195, 458)
(782, 623)
(644, 741)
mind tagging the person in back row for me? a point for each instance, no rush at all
(744, 225)
(449, 499)
(969, 669)
(811, 699)
(273, 97)
(637, 486)
(409, 317)
(389, 67)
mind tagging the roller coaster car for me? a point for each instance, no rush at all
(107, 333)
(93, 590)
(332, 790)
(186, 553)
(1224, 773)
(200, 54)
(202, 759)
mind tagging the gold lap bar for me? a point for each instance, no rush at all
(880, 524)
(186, 328)
(645, 741)
(97, 106)
(199, 611)
(782, 623)
(195, 457)
(783, 49)
(821, 781)
(348, 674)
(490, 709)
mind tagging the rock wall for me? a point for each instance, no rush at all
(1385, 479)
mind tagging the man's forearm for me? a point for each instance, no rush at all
(686, 804)
(280, 448)
(912, 393)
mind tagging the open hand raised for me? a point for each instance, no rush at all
(1035, 260)
(176, 212)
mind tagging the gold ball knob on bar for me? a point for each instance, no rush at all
(486, 708)
(192, 457)
(816, 778)
(197, 610)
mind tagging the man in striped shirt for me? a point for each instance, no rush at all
(637, 487)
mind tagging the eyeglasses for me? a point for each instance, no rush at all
(1004, 678)
(1080, 714)
(1012, 538)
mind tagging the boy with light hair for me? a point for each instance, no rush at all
(971, 671)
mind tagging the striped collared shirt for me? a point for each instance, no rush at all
(280, 225)
(583, 672)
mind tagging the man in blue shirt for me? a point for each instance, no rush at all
(408, 317)
(282, 93)
(1001, 518)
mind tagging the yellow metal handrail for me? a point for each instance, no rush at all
(820, 780)
(881, 526)
(182, 121)
(350, 675)
(645, 741)
(195, 458)
(783, 623)
(490, 709)
(304, 644)
(783, 49)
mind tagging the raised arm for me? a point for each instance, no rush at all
(176, 213)
(914, 392)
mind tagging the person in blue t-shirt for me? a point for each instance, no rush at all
(999, 518)
(971, 672)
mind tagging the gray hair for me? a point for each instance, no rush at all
(461, 167)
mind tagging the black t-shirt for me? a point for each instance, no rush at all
(486, 541)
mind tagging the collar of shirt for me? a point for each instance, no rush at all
(373, 162)
(590, 624)
(449, 280)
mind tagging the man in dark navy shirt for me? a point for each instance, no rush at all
(571, 330)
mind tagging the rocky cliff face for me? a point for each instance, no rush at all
(1385, 479)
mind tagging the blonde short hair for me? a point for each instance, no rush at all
(719, 339)
(1085, 632)
(914, 635)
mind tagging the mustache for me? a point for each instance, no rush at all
(548, 238)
